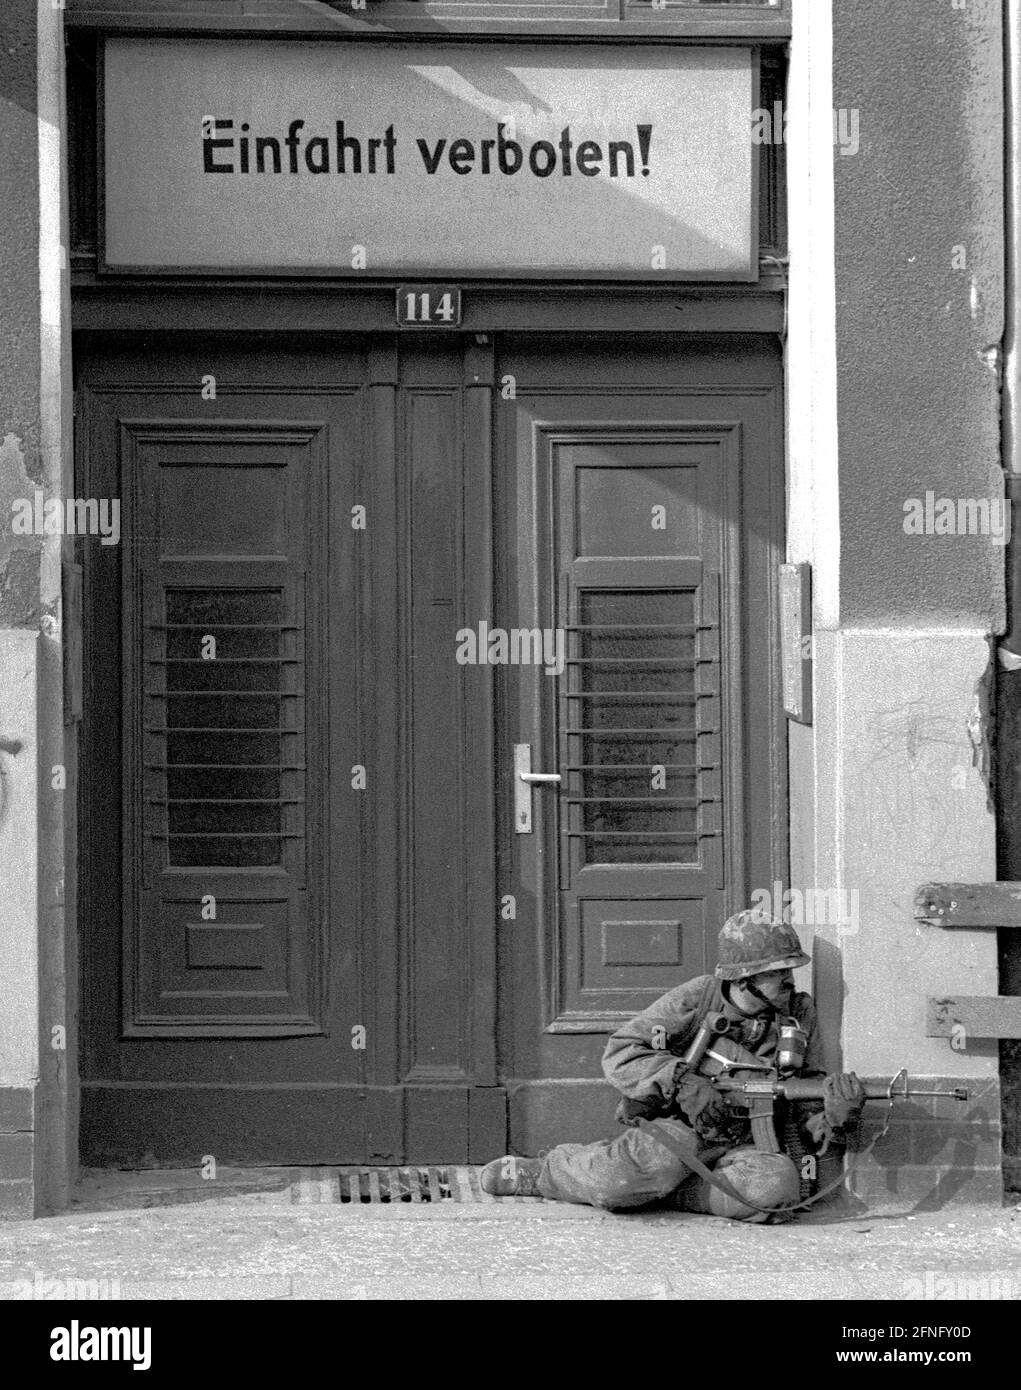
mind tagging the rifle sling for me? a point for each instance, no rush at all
(697, 1166)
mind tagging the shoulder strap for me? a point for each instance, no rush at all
(708, 993)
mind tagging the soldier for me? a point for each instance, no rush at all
(752, 987)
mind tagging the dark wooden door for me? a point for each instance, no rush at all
(311, 930)
(644, 483)
(287, 898)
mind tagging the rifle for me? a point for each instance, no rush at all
(752, 1087)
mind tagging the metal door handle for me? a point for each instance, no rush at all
(524, 780)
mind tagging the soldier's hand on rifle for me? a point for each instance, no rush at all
(843, 1098)
(700, 1101)
(630, 1111)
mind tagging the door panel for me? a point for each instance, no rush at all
(287, 951)
(645, 482)
(223, 784)
(638, 713)
(439, 1035)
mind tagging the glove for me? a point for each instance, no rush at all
(822, 1133)
(629, 1111)
(843, 1099)
(700, 1101)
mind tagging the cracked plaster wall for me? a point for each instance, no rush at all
(889, 786)
(20, 341)
(37, 963)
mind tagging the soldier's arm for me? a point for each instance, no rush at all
(641, 1058)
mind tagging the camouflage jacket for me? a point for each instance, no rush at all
(642, 1058)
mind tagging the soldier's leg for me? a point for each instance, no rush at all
(768, 1180)
(619, 1174)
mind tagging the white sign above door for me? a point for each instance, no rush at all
(369, 159)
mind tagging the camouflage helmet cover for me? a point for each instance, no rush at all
(751, 942)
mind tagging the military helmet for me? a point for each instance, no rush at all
(752, 942)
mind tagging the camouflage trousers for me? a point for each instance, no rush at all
(635, 1170)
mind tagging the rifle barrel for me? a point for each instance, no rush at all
(811, 1088)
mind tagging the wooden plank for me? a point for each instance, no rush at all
(381, 732)
(796, 631)
(262, 307)
(436, 1124)
(969, 904)
(487, 1123)
(980, 1016)
(592, 19)
(384, 1120)
(479, 795)
(437, 999)
(73, 670)
(297, 1125)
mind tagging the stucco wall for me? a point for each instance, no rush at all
(917, 339)
(37, 1039)
(19, 600)
(893, 393)
(19, 296)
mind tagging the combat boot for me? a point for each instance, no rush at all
(512, 1177)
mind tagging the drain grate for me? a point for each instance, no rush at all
(390, 1186)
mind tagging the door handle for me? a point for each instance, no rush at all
(524, 780)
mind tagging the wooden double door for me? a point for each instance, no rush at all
(362, 584)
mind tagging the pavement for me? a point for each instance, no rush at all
(272, 1234)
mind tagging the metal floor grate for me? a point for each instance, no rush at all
(391, 1186)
